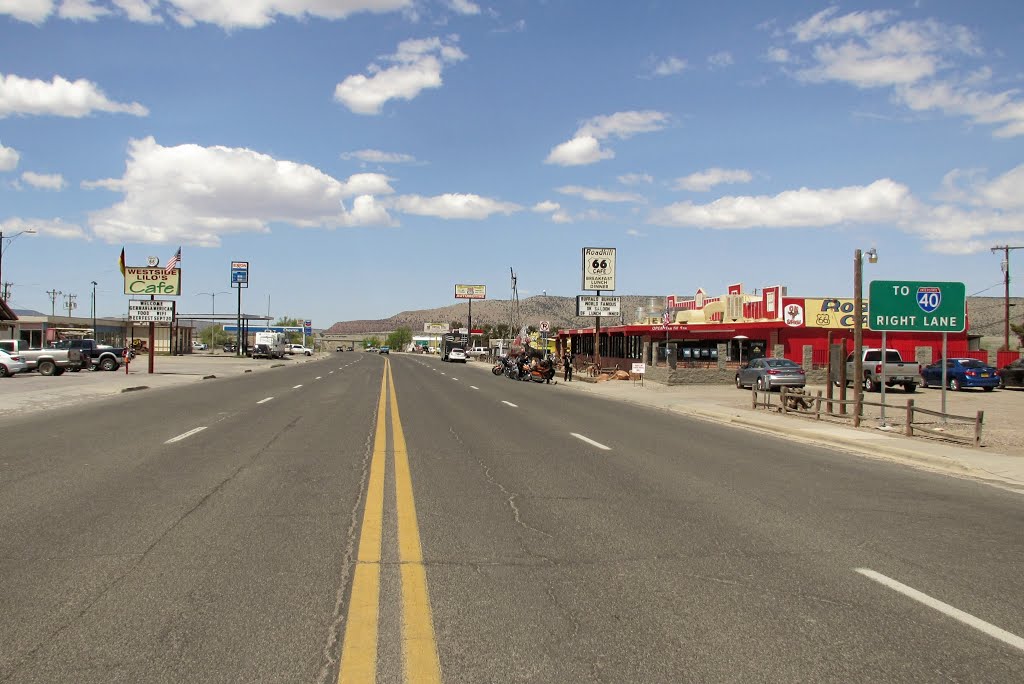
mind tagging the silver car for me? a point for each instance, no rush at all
(767, 374)
(11, 364)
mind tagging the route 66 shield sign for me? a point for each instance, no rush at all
(929, 298)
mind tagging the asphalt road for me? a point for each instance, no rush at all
(536, 535)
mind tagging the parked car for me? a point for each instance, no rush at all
(1012, 374)
(767, 374)
(199, 346)
(457, 355)
(961, 373)
(385, 350)
(230, 347)
(297, 349)
(476, 352)
(11, 364)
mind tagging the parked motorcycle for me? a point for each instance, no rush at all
(543, 371)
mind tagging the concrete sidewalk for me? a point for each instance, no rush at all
(725, 404)
(27, 392)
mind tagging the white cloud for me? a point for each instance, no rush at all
(546, 207)
(44, 181)
(464, 7)
(8, 158)
(1005, 192)
(826, 24)
(380, 157)
(778, 55)
(195, 195)
(633, 232)
(720, 59)
(30, 11)
(417, 65)
(669, 66)
(635, 178)
(585, 146)
(453, 206)
(59, 97)
(55, 228)
(599, 195)
(227, 14)
(702, 181)
(921, 61)
(81, 10)
(583, 149)
(142, 11)
(883, 200)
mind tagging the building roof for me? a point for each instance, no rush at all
(6, 313)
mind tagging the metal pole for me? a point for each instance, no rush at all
(597, 333)
(94, 335)
(152, 341)
(238, 324)
(858, 338)
(884, 359)
(945, 336)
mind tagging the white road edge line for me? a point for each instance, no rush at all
(183, 435)
(590, 441)
(297, 387)
(946, 609)
(264, 401)
(509, 403)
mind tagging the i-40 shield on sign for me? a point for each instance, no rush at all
(929, 298)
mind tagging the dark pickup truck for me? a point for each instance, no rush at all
(103, 356)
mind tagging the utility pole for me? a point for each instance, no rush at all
(53, 300)
(94, 335)
(70, 303)
(5, 290)
(1005, 249)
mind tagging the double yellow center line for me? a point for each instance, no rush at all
(359, 648)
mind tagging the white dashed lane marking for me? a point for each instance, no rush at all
(977, 623)
(590, 441)
(184, 435)
(509, 403)
(297, 387)
(264, 401)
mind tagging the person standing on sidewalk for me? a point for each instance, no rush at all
(567, 366)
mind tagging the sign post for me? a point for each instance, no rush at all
(239, 280)
(598, 275)
(917, 306)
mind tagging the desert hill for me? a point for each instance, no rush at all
(984, 313)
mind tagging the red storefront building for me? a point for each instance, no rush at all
(740, 326)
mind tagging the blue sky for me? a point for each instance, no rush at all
(367, 155)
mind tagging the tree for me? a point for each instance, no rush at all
(1018, 330)
(214, 335)
(455, 325)
(285, 322)
(400, 338)
(371, 342)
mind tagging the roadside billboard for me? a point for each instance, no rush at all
(471, 292)
(144, 280)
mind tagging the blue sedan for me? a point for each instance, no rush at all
(960, 373)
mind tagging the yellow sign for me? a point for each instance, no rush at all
(140, 280)
(831, 313)
(471, 292)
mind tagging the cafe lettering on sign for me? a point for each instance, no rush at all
(151, 281)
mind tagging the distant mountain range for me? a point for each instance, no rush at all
(984, 313)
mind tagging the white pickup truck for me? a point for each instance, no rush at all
(897, 371)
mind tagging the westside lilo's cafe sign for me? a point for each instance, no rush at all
(153, 279)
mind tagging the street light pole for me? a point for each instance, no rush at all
(858, 331)
(94, 335)
(30, 231)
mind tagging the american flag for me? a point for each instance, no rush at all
(173, 261)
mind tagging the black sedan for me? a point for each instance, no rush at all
(1012, 374)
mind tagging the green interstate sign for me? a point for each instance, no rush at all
(917, 306)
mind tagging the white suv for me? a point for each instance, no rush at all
(297, 349)
(476, 352)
